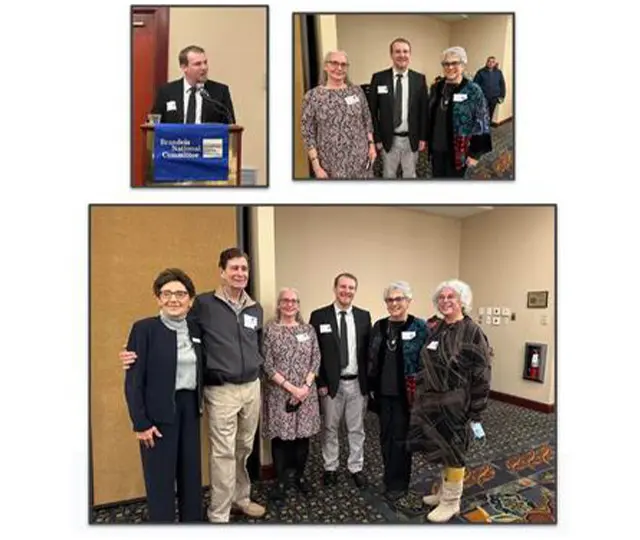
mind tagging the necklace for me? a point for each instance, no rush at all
(392, 339)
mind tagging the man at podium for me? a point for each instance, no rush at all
(194, 99)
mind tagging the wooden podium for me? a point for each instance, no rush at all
(235, 160)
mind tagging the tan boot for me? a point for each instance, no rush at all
(449, 505)
(253, 510)
(434, 498)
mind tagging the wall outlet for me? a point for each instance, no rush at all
(496, 321)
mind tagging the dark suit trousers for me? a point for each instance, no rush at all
(175, 460)
(492, 103)
(394, 424)
(442, 166)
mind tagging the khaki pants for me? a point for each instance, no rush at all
(233, 411)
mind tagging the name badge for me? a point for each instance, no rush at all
(352, 100)
(195, 340)
(325, 328)
(302, 338)
(250, 322)
(383, 89)
(432, 346)
(171, 106)
(407, 336)
(460, 97)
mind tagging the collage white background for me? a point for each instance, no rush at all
(65, 144)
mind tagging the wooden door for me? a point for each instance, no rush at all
(129, 246)
(301, 161)
(149, 65)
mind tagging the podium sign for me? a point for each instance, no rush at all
(191, 152)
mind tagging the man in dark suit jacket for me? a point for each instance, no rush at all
(398, 100)
(182, 102)
(342, 379)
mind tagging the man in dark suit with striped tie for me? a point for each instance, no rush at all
(193, 99)
(343, 332)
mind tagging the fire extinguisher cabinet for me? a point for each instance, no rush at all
(535, 360)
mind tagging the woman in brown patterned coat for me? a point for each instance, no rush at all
(291, 412)
(451, 394)
(336, 124)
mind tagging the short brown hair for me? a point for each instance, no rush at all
(182, 57)
(347, 275)
(228, 254)
(173, 274)
(399, 40)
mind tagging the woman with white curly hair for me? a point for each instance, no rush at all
(451, 394)
(459, 126)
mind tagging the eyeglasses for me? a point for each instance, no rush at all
(180, 295)
(395, 299)
(289, 301)
(450, 64)
(335, 64)
(443, 298)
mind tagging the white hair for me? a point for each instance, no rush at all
(399, 286)
(323, 74)
(280, 294)
(462, 290)
(455, 51)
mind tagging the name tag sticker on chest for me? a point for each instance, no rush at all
(250, 322)
(171, 106)
(407, 336)
(195, 340)
(325, 328)
(302, 338)
(383, 89)
(432, 346)
(352, 100)
(460, 97)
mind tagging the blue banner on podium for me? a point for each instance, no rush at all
(187, 152)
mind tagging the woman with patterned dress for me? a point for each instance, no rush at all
(451, 393)
(394, 361)
(336, 124)
(291, 413)
(458, 130)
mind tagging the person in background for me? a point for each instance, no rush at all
(291, 412)
(452, 392)
(343, 331)
(491, 81)
(399, 106)
(163, 390)
(458, 131)
(231, 325)
(336, 124)
(394, 361)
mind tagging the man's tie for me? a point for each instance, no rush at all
(344, 341)
(191, 106)
(397, 102)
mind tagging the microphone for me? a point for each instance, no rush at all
(217, 104)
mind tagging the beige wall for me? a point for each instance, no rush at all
(377, 244)
(235, 40)
(483, 36)
(505, 253)
(366, 40)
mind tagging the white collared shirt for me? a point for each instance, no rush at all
(352, 365)
(186, 92)
(404, 126)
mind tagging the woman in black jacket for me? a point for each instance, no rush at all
(164, 394)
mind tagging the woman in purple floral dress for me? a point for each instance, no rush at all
(336, 124)
(291, 413)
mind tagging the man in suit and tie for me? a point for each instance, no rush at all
(398, 99)
(182, 101)
(343, 334)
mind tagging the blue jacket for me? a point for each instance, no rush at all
(492, 83)
(150, 383)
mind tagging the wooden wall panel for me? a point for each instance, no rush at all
(130, 245)
(301, 165)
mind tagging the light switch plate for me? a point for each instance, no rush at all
(487, 319)
(506, 312)
(481, 311)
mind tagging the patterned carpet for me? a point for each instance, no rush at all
(502, 142)
(510, 478)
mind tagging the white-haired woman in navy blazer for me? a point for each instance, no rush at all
(164, 395)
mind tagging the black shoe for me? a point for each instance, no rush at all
(330, 478)
(393, 495)
(278, 491)
(359, 479)
(302, 485)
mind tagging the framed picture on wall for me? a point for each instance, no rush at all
(537, 299)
